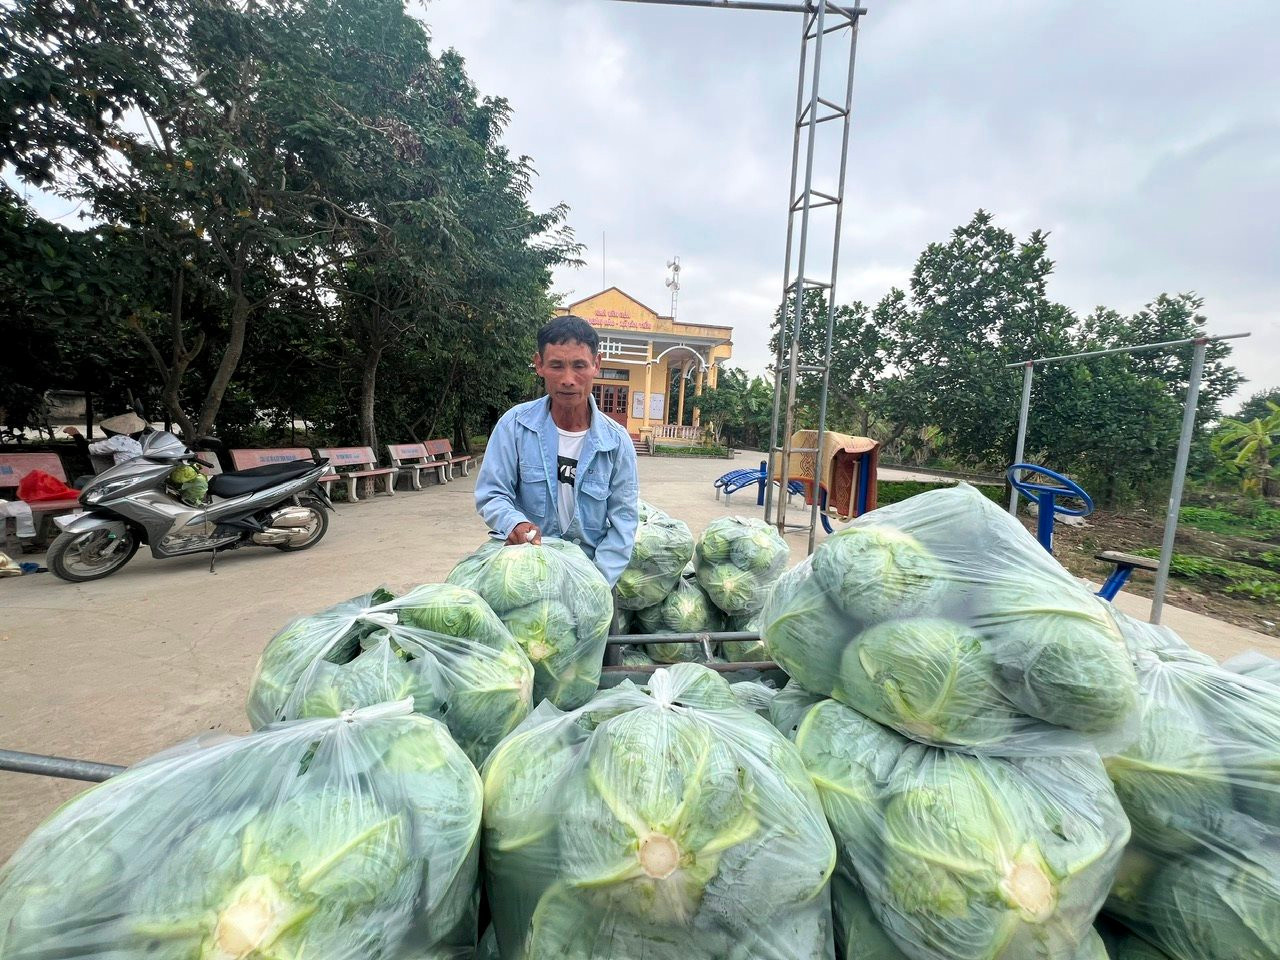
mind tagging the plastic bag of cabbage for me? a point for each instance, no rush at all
(960, 856)
(351, 839)
(663, 547)
(555, 603)
(438, 643)
(1201, 786)
(1255, 664)
(686, 609)
(736, 559)
(941, 617)
(663, 822)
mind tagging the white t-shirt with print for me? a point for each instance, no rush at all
(567, 473)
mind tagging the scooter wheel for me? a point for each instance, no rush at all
(80, 557)
(317, 532)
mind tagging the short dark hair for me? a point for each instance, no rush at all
(569, 329)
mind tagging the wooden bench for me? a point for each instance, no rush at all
(15, 466)
(1125, 564)
(354, 464)
(413, 460)
(442, 452)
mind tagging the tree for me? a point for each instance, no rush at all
(1253, 448)
(739, 409)
(858, 357)
(1259, 405)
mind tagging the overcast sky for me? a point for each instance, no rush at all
(1145, 136)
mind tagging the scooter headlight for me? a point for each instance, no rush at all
(94, 494)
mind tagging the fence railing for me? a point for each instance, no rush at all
(672, 431)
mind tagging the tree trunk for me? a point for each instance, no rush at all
(368, 392)
(240, 310)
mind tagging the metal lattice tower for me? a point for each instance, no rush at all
(828, 47)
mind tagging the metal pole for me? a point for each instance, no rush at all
(64, 767)
(1134, 349)
(831, 291)
(760, 5)
(1028, 371)
(648, 639)
(1179, 476)
(784, 462)
(783, 333)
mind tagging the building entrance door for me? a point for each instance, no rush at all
(612, 401)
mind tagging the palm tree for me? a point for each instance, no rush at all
(1253, 448)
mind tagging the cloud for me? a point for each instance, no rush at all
(1144, 136)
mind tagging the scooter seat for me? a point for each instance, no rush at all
(236, 483)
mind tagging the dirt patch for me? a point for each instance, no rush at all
(1137, 529)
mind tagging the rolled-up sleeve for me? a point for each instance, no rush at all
(497, 480)
(613, 553)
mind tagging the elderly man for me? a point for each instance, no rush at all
(556, 466)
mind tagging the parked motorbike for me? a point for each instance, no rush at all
(278, 505)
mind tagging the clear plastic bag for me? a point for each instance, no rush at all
(686, 609)
(744, 651)
(1201, 786)
(664, 823)
(663, 547)
(736, 559)
(439, 644)
(1255, 664)
(962, 856)
(556, 604)
(941, 617)
(353, 838)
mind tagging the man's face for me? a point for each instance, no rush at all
(567, 369)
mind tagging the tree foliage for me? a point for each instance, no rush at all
(305, 213)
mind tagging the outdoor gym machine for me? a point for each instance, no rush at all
(1045, 496)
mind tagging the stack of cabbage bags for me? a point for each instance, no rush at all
(686, 609)
(942, 618)
(736, 560)
(556, 604)
(1201, 786)
(439, 644)
(949, 855)
(663, 547)
(341, 839)
(663, 822)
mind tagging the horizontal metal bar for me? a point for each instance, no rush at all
(816, 284)
(804, 449)
(64, 767)
(760, 5)
(758, 665)
(812, 368)
(1135, 349)
(648, 639)
(814, 206)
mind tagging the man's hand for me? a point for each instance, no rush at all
(71, 431)
(524, 533)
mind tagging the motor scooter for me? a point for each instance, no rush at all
(277, 505)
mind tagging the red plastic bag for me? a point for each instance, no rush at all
(39, 486)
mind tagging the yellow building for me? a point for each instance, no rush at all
(640, 352)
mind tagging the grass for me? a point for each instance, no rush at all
(1261, 523)
(892, 491)
(1243, 579)
(701, 451)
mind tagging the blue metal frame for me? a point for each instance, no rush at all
(1045, 496)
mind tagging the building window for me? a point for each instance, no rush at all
(609, 373)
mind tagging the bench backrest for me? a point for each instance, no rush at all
(15, 466)
(441, 449)
(349, 456)
(244, 459)
(400, 452)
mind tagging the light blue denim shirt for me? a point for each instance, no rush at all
(517, 483)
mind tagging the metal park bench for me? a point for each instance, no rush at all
(413, 461)
(735, 480)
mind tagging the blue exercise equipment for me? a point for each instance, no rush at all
(1046, 496)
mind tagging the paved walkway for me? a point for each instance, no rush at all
(117, 669)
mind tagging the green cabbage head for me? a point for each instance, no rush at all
(663, 547)
(556, 604)
(876, 571)
(663, 821)
(736, 559)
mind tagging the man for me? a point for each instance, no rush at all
(558, 467)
